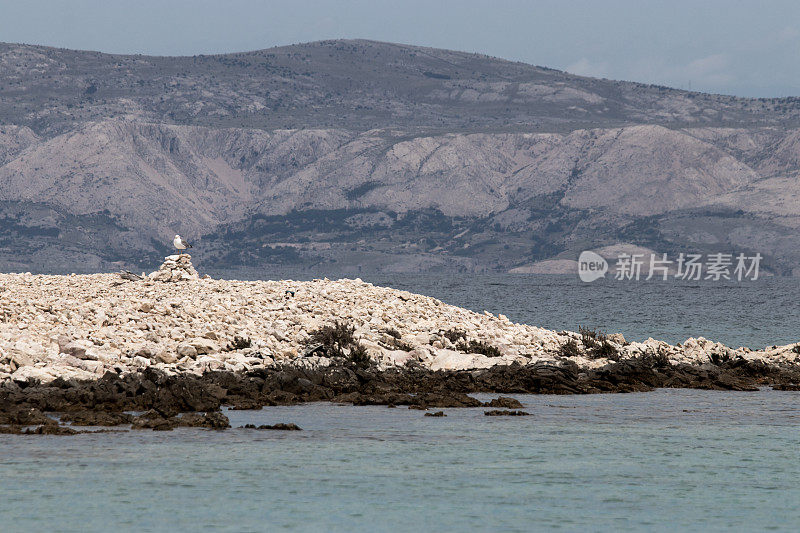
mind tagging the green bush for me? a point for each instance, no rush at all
(478, 347)
(597, 345)
(570, 349)
(238, 343)
(337, 340)
(455, 335)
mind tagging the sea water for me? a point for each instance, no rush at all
(755, 314)
(662, 460)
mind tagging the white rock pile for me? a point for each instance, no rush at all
(175, 268)
(79, 327)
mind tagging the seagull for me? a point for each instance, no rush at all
(179, 243)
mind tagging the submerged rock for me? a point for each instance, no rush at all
(159, 422)
(97, 418)
(277, 427)
(505, 402)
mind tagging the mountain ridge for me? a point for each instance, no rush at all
(391, 162)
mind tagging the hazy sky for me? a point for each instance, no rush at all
(746, 48)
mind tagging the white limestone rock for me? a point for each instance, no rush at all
(175, 268)
(187, 350)
(204, 346)
(182, 327)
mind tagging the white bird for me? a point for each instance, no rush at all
(179, 243)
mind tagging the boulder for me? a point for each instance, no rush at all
(95, 367)
(104, 354)
(140, 362)
(161, 275)
(62, 341)
(207, 364)
(397, 357)
(187, 350)
(32, 374)
(617, 338)
(24, 351)
(453, 360)
(204, 346)
(80, 349)
(504, 402)
(167, 357)
(20, 359)
(148, 351)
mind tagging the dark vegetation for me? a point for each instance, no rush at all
(570, 349)
(594, 345)
(597, 344)
(239, 343)
(720, 358)
(657, 359)
(396, 342)
(459, 338)
(337, 341)
(479, 347)
(455, 335)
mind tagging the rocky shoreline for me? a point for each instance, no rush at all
(167, 401)
(175, 349)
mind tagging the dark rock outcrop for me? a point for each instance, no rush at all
(277, 427)
(504, 402)
(162, 398)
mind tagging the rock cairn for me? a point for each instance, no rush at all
(175, 268)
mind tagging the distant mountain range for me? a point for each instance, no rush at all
(351, 155)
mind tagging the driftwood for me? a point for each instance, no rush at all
(130, 276)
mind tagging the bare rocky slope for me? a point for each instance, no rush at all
(358, 154)
(81, 327)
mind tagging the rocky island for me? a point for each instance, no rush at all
(173, 344)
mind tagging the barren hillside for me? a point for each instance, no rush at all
(357, 153)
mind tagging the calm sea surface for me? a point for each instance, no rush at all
(665, 460)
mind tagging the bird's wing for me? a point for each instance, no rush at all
(186, 244)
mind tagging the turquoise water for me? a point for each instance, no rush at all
(665, 460)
